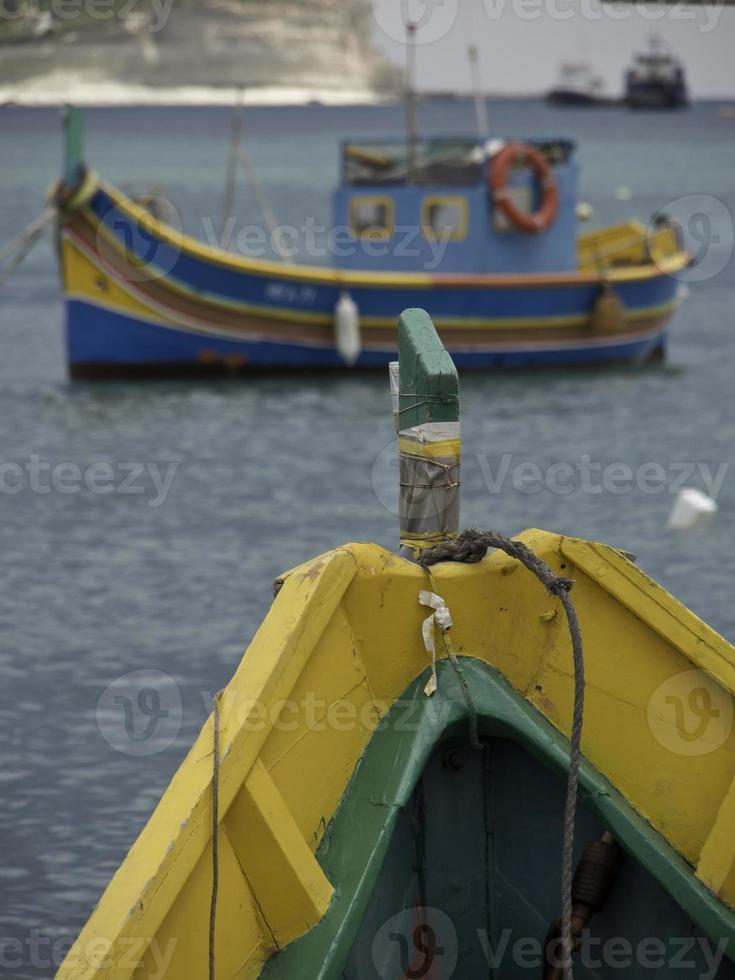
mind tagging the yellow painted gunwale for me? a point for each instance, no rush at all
(667, 265)
(345, 630)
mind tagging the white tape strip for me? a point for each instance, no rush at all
(442, 618)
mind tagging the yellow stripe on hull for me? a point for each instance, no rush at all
(89, 279)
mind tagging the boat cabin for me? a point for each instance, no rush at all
(436, 207)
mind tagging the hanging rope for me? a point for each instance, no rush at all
(239, 154)
(471, 546)
(14, 251)
(269, 215)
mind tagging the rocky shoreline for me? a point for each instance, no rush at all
(277, 51)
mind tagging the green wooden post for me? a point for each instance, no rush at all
(427, 419)
(73, 145)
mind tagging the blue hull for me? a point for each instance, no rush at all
(98, 338)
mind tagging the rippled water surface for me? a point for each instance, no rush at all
(243, 480)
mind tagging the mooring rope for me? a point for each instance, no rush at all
(14, 251)
(215, 837)
(471, 546)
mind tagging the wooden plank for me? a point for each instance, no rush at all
(717, 861)
(292, 890)
(625, 581)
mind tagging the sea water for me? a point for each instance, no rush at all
(142, 524)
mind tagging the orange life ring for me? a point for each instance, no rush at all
(529, 156)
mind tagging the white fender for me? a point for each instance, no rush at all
(347, 328)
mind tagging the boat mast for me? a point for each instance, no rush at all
(480, 105)
(412, 131)
(239, 154)
(232, 161)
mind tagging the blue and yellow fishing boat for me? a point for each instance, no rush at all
(484, 234)
(391, 784)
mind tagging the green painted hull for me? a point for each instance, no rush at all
(446, 860)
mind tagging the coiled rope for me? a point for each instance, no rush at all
(14, 251)
(471, 546)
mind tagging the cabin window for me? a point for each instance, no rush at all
(372, 217)
(444, 218)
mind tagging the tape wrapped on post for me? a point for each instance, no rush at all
(429, 459)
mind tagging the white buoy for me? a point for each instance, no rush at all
(347, 328)
(623, 193)
(583, 210)
(692, 509)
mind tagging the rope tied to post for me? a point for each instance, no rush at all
(471, 546)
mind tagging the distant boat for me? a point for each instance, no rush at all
(484, 234)
(656, 80)
(578, 86)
